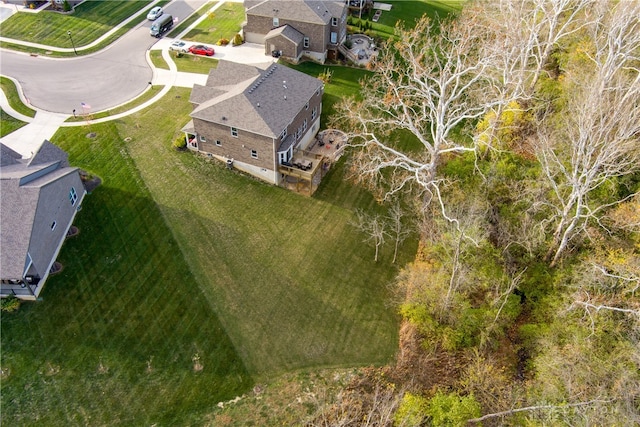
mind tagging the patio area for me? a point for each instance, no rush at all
(306, 169)
(363, 49)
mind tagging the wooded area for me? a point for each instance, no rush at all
(512, 134)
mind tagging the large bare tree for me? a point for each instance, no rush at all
(426, 84)
(596, 138)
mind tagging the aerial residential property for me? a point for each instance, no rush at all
(309, 28)
(40, 198)
(254, 119)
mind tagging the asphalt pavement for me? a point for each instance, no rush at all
(102, 80)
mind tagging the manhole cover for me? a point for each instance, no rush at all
(127, 139)
(91, 135)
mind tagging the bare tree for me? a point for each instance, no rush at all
(398, 228)
(424, 85)
(375, 228)
(519, 38)
(597, 137)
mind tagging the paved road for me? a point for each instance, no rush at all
(101, 80)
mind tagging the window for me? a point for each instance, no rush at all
(234, 132)
(283, 135)
(334, 22)
(299, 133)
(276, 21)
(254, 154)
(314, 112)
(304, 125)
(73, 196)
(306, 107)
(202, 138)
(218, 143)
(334, 37)
(53, 225)
(305, 43)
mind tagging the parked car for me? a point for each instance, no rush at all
(200, 49)
(179, 46)
(154, 13)
(161, 25)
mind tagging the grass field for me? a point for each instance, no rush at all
(224, 22)
(409, 12)
(144, 97)
(8, 124)
(180, 261)
(186, 62)
(91, 20)
(116, 338)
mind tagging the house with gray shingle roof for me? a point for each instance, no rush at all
(40, 197)
(297, 28)
(255, 119)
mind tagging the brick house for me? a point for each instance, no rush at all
(309, 28)
(256, 120)
(40, 198)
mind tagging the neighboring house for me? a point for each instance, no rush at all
(39, 200)
(256, 120)
(293, 29)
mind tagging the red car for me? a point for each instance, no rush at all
(199, 49)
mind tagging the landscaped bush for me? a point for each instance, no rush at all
(222, 42)
(348, 43)
(9, 304)
(180, 143)
(237, 40)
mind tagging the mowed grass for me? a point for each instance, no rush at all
(122, 331)
(408, 12)
(91, 20)
(288, 275)
(185, 62)
(181, 262)
(8, 124)
(224, 22)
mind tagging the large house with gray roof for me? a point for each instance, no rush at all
(255, 119)
(297, 28)
(40, 198)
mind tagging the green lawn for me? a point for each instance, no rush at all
(224, 22)
(8, 124)
(180, 258)
(410, 11)
(114, 339)
(11, 92)
(185, 62)
(144, 97)
(287, 274)
(91, 20)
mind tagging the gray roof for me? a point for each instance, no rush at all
(8, 156)
(35, 192)
(315, 11)
(286, 31)
(264, 104)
